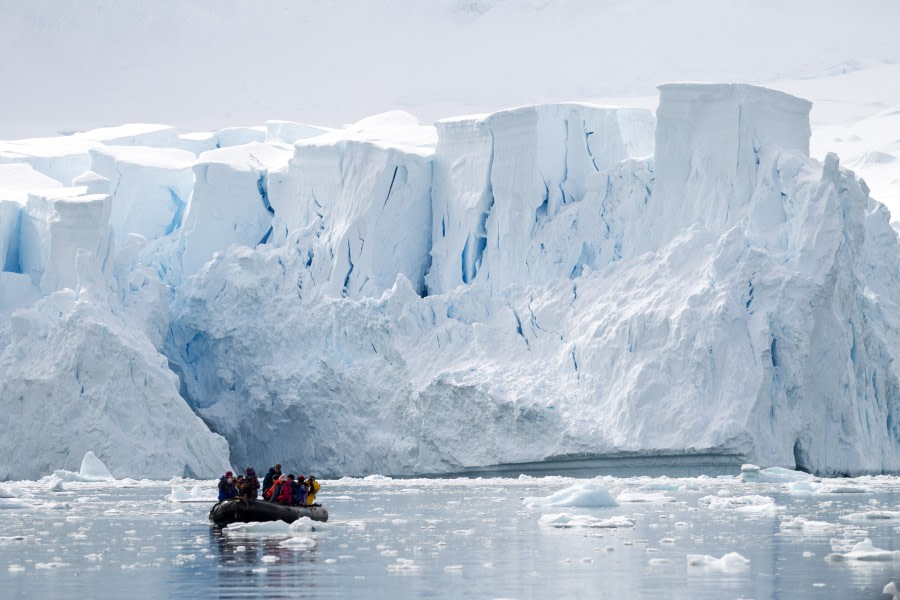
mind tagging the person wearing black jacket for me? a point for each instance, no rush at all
(271, 477)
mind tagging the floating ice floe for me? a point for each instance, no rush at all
(729, 563)
(651, 497)
(92, 468)
(872, 515)
(754, 474)
(864, 551)
(814, 487)
(273, 528)
(570, 521)
(6, 503)
(588, 495)
(404, 565)
(891, 589)
(761, 505)
(806, 527)
(298, 543)
(194, 494)
(268, 528)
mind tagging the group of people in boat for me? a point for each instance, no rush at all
(277, 487)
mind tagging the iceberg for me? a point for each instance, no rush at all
(747, 300)
(76, 374)
(541, 285)
(93, 468)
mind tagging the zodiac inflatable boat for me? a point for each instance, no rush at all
(248, 510)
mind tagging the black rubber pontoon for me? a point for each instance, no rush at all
(248, 510)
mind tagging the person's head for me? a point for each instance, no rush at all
(278, 468)
(301, 479)
(311, 478)
(291, 477)
(229, 474)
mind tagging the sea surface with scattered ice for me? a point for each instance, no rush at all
(763, 534)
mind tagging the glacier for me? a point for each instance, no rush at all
(532, 285)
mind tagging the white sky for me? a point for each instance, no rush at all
(206, 64)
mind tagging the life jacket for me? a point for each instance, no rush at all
(268, 494)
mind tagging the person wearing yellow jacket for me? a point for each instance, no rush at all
(313, 488)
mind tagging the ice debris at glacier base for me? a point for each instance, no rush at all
(496, 289)
(589, 494)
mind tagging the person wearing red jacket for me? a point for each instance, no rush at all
(286, 493)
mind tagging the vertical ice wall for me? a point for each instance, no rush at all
(79, 223)
(357, 203)
(55, 225)
(230, 201)
(708, 143)
(150, 187)
(16, 180)
(501, 178)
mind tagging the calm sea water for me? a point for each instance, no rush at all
(460, 538)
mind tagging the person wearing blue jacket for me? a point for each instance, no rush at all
(227, 488)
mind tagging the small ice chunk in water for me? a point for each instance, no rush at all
(298, 543)
(589, 494)
(568, 521)
(865, 551)
(265, 528)
(644, 497)
(729, 563)
(762, 505)
(872, 515)
(404, 565)
(753, 474)
(93, 468)
(891, 589)
(195, 494)
(799, 524)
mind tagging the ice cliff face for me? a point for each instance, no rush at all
(78, 379)
(497, 289)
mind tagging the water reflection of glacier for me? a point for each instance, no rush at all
(472, 538)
